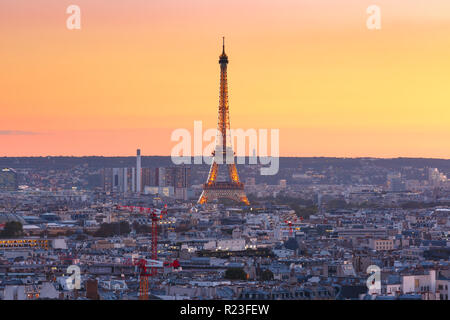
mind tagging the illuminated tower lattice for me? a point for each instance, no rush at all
(223, 155)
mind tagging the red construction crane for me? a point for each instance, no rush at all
(155, 216)
(289, 223)
(143, 265)
(143, 279)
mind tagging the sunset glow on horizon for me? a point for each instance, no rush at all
(139, 69)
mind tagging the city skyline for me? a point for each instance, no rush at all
(137, 71)
(226, 156)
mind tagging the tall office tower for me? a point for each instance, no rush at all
(145, 177)
(166, 176)
(177, 176)
(149, 177)
(107, 179)
(162, 177)
(133, 179)
(138, 171)
(117, 179)
(223, 155)
(154, 177)
(8, 180)
(128, 179)
(182, 177)
(121, 180)
(124, 184)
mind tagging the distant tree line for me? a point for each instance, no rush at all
(235, 274)
(422, 205)
(113, 229)
(266, 275)
(302, 207)
(12, 229)
(141, 228)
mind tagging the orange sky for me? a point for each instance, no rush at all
(139, 69)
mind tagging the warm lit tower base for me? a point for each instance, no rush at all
(220, 190)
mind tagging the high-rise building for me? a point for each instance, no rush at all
(138, 171)
(133, 179)
(126, 179)
(163, 180)
(122, 180)
(150, 177)
(177, 177)
(107, 179)
(8, 180)
(118, 179)
(182, 177)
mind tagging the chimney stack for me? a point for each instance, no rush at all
(138, 171)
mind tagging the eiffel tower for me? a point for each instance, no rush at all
(223, 155)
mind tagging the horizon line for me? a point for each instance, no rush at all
(247, 156)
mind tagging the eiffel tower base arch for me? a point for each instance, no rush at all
(209, 195)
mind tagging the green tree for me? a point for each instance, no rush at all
(291, 244)
(141, 228)
(235, 274)
(113, 229)
(338, 204)
(266, 275)
(304, 212)
(12, 229)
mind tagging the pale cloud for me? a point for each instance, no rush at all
(16, 132)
